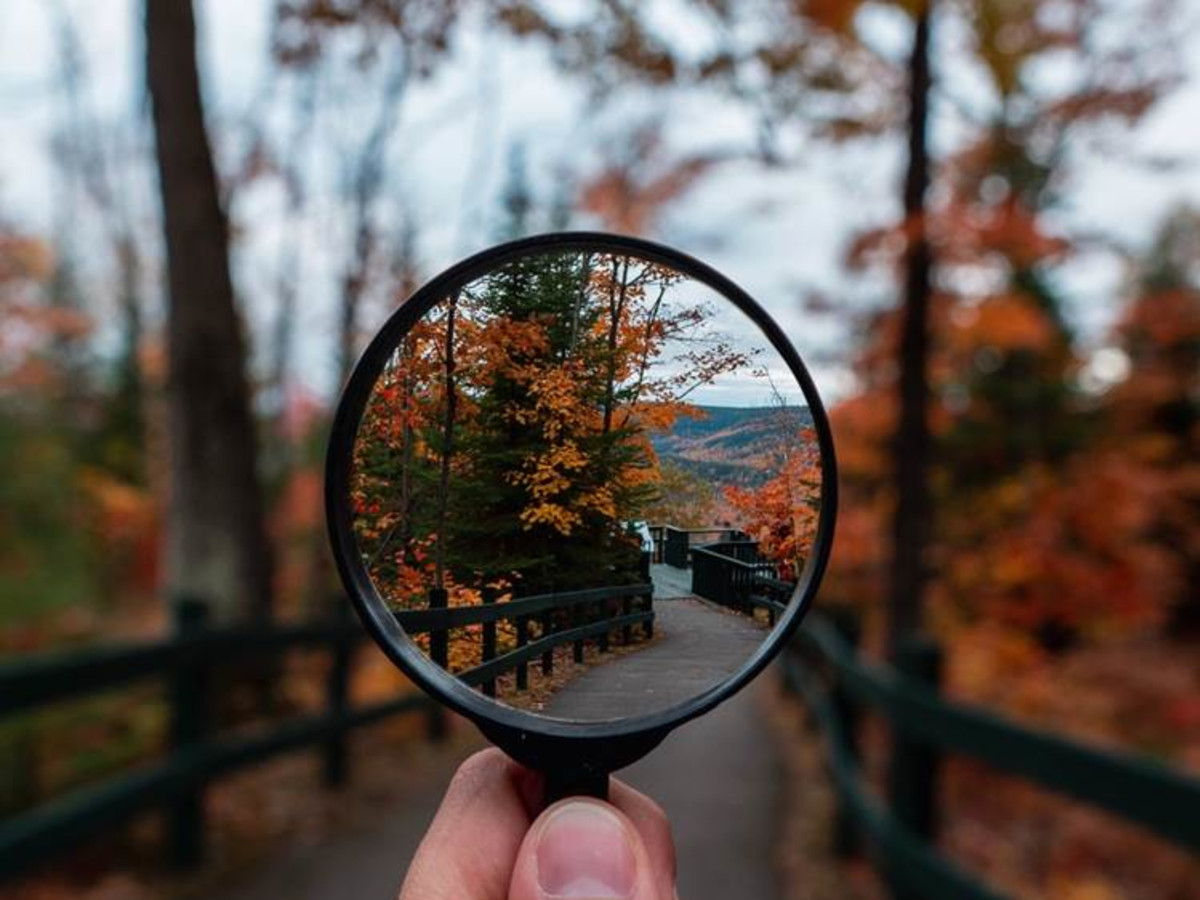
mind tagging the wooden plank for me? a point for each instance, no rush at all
(507, 661)
(417, 621)
(29, 683)
(32, 838)
(906, 861)
(1134, 788)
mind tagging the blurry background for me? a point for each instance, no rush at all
(978, 221)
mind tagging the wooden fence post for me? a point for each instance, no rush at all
(190, 722)
(489, 640)
(604, 613)
(547, 620)
(439, 652)
(522, 639)
(436, 722)
(576, 622)
(337, 689)
(913, 773)
(845, 833)
(439, 641)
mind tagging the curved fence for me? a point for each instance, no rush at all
(188, 662)
(732, 574)
(674, 546)
(571, 617)
(838, 686)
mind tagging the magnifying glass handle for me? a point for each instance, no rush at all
(575, 783)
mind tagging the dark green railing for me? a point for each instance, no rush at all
(674, 546)
(570, 617)
(188, 662)
(734, 575)
(838, 686)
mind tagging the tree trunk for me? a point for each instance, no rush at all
(217, 547)
(447, 447)
(910, 524)
(616, 308)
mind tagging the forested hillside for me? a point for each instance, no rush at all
(729, 445)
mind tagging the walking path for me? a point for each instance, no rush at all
(716, 777)
(669, 582)
(718, 780)
(696, 646)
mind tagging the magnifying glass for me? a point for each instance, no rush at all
(502, 467)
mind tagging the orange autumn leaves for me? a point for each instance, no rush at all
(781, 515)
(548, 475)
(510, 431)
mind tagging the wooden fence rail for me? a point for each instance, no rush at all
(187, 662)
(570, 617)
(674, 546)
(732, 574)
(838, 686)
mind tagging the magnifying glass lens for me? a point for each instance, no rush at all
(584, 483)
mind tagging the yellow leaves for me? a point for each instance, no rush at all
(549, 480)
(600, 501)
(555, 515)
(547, 474)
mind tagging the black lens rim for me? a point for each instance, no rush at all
(493, 716)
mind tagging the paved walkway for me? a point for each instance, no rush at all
(719, 781)
(716, 777)
(670, 582)
(696, 646)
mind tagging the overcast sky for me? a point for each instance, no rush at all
(780, 233)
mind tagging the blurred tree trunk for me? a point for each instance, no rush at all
(89, 170)
(910, 523)
(217, 547)
(368, 184)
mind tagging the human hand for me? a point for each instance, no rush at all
(487, 843)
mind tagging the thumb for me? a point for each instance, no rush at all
(580, 848)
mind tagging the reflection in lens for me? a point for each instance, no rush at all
(584, 484)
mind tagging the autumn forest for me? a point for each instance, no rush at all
(509, 444)
(977, 221)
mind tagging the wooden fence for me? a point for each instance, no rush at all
(188, 662)
(674, 546)
(732, 574)
(822, 666)
(899, 835)
(571, 617)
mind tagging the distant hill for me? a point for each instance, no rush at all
(731, 444)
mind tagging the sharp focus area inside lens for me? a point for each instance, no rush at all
(585, 485)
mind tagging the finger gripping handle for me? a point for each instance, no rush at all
(561, 784)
